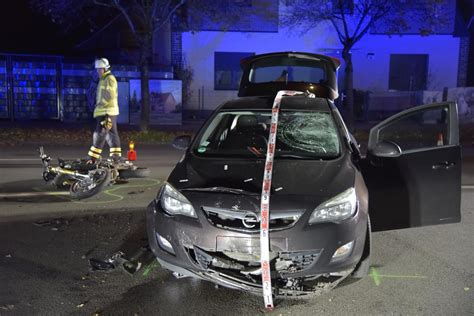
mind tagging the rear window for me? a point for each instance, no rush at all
(288, 69)
(300, 135)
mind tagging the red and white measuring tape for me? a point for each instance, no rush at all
(265, 201)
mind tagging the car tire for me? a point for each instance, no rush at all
(363, 267)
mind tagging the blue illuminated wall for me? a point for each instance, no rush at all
(35, 88)
(46, 88)
(3, 89)
(371, 56)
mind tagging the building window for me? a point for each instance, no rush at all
(227, 71)
(408, 72)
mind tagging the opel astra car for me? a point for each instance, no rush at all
(326, 198)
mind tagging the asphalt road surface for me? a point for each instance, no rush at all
(47, 239)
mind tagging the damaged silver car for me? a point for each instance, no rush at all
(326, 198)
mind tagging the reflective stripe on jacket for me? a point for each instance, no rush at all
(107, 95)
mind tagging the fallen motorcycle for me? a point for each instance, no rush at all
(85, 180)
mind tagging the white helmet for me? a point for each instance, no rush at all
(102, 63)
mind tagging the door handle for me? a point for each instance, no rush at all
(444, 165)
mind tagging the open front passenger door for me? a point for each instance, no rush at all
(413, 168)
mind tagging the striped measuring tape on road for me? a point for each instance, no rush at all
(265, 201)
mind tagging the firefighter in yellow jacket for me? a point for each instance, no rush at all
(106, 112)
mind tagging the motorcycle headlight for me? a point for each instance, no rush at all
(336, 209)
(174, 203)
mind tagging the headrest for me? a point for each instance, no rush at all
(247, 121)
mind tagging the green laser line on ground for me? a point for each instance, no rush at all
(149, 267)
(377, 277)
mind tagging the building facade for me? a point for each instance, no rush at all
(406, 62)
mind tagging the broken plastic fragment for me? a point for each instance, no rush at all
(184, 180)
(179, 275)
(248, 180)
(131, 267)
(118, 260)
(100, 265)
(279, 189)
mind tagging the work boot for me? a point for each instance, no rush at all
(119, 161)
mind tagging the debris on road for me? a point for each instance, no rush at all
(108, 264)
(130, 264)
(7, 307)
(55, 224)
(82, 305)
(116, 260)
(8, 256)
(136, 192)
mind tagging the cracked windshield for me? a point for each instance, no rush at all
(300, 135)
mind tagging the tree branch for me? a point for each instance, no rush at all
(364, 15)
(154, 7)
(170, 13)
(339, 33)
(103, 4)
(346, 29)
(364, 30)
(127, 17)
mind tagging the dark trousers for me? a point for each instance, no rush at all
(102, 135)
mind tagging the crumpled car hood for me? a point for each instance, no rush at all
(290, 177)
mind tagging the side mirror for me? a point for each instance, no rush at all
(386, 149)
(182, 142)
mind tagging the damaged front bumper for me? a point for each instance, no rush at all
(302, 261)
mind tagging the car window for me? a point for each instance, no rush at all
(305, 135)
(288, 69)
(418, 130)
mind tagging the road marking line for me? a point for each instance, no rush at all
(467, 187)
(16, 159)
(65, 194)
(119, 197)
(31, 194)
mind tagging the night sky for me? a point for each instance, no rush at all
(24, 31)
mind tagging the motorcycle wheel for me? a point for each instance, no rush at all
(134, 173)
(85, 188)
(61, 181)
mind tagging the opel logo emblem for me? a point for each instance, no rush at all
(250, 219)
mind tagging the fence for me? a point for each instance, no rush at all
(36, 87)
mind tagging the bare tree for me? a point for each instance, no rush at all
(351, 20)
(143, 17)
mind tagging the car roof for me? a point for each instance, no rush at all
(287, 103)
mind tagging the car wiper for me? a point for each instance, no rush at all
(290, 156)
(293, 156)
(222, 190)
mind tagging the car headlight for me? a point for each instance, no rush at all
(174, 203)
(336, 209)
